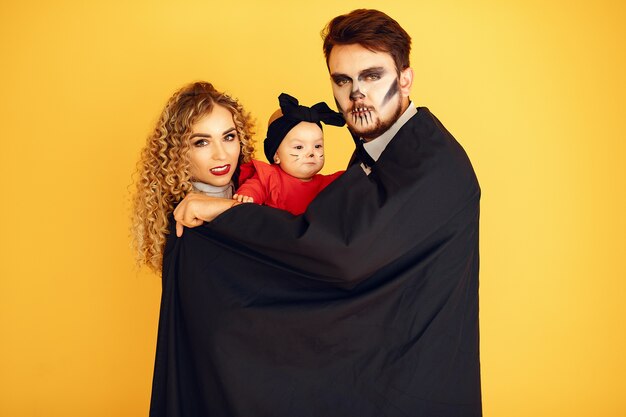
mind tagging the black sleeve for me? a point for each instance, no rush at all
(360, 223)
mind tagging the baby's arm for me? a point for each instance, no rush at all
(251, 191)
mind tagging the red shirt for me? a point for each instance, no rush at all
(270, 185)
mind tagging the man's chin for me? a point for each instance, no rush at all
(368, 132)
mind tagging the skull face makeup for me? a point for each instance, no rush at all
(367, 88)
(301, 153)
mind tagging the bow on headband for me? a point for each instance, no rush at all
(294, 113)
(319, 112)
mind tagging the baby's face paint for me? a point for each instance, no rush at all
(367, 89)
(301, 153)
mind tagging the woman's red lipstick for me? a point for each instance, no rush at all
(221, 170)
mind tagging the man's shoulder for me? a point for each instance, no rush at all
(422, 116)
(425, 143)
(425, 126)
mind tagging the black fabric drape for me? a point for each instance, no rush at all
(365, 305)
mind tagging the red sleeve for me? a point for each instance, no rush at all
(246, 171)
(254, 177)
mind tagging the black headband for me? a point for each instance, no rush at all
(293, 114)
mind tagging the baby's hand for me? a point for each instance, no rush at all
(243, 198)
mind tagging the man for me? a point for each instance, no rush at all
(365, 305)
(367, 54)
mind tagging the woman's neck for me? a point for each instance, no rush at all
(224, 191)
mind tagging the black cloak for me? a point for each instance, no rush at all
(364, 306)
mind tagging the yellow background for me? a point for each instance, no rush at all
(533, 90)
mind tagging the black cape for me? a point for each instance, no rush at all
(365, 305)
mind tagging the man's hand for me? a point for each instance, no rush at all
(196, 209)
(243, 198)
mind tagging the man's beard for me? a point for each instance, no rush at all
(363, 127)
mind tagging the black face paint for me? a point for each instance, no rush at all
(393, 90)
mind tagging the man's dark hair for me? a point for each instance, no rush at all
(371, 29)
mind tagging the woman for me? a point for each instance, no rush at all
(197, 145)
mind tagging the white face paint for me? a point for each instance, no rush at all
(368, 91)
(301, 153)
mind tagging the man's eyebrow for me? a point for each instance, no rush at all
(339, 75)
(370, 70)
(336, 75)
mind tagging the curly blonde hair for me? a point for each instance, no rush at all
(163, 170)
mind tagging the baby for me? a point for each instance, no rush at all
(295, 148)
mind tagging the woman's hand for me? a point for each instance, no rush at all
(196, 209)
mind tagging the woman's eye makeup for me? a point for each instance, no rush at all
(230, 137)
(201, 142)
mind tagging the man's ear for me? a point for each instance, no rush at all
(406, 81)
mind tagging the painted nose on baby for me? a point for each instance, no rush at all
(310, 153)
